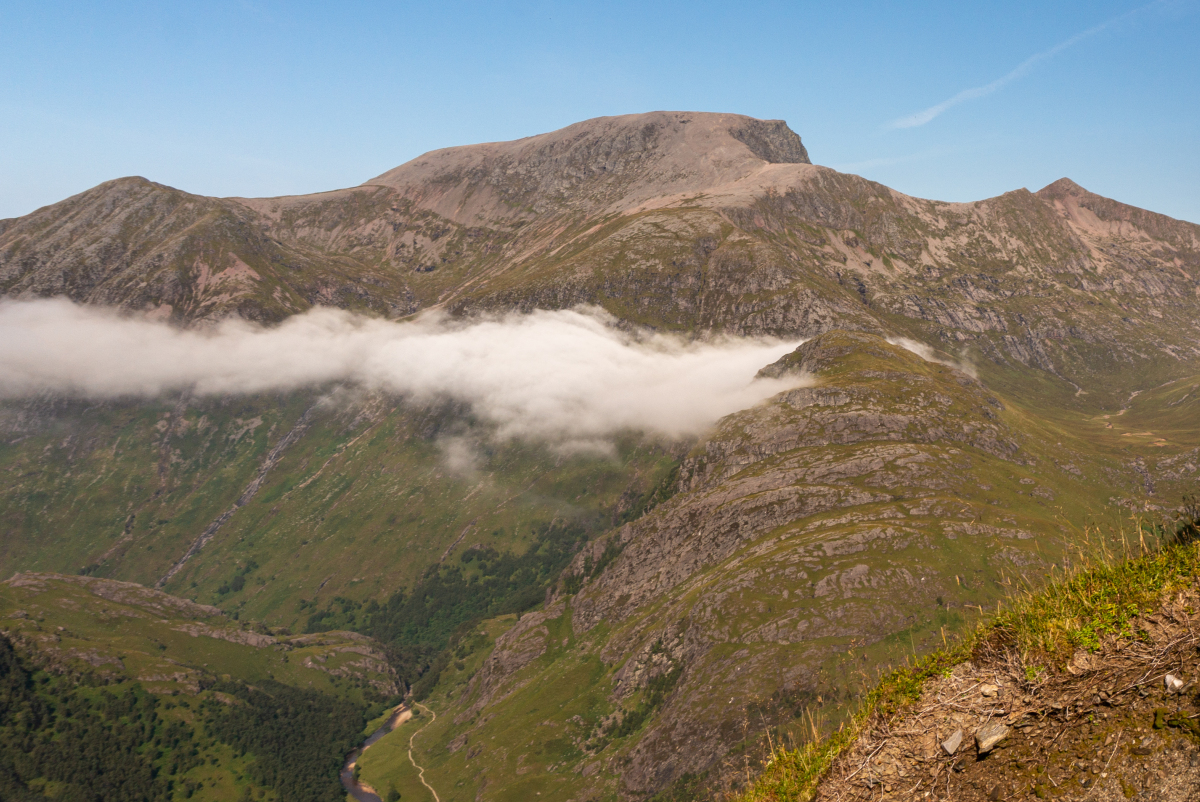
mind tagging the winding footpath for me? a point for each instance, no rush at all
(420, 770)
(361, 792)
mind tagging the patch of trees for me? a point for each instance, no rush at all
(421, 627)
(101, 747)
(298, 738)
(238, 582)
(112, 743)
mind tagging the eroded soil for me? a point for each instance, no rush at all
(1104, 727)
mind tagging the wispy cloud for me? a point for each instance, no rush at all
(929, 355)
(1024, 68)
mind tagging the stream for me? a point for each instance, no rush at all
(364, 793)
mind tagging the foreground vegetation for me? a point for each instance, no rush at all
(1047, 627)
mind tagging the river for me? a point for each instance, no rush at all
(365, 793)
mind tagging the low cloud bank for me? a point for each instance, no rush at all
(566, 376)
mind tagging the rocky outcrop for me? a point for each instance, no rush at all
(126, 593)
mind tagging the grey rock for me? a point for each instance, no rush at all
(951, 744)
(989, 735)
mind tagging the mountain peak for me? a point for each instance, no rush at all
(598, 163)
(1070, 198)
(1061, 189)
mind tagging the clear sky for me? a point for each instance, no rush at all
(948, 100)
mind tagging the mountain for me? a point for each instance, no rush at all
(682, 221)
(988, 384)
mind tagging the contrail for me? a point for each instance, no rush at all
(922, 117)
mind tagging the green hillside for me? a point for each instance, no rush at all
(114, 691)
(358, 506)
(870, 516)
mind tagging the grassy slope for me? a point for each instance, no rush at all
(358, 507)
(170, 650)
(1070, 470)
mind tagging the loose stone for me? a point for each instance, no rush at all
(989, 735)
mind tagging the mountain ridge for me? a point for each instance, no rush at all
(542, 223)
(641, 156)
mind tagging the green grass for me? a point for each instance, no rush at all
(358, 507)
(1102, 599)
(1047, 626)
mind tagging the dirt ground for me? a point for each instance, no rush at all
(1105, 727)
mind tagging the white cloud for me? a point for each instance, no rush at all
(570, 377)
(459, 456)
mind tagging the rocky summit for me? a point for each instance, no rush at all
(981, 391)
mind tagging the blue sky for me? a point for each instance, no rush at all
(942, 100)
